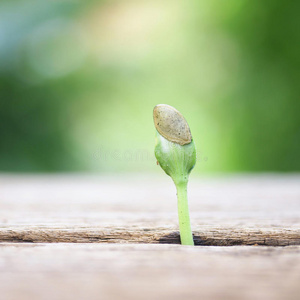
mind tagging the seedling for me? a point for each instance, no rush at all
(176, 154)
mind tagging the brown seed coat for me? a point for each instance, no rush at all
(171, 124)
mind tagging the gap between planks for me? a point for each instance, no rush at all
(209, 236)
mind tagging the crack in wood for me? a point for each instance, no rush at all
(205, 238)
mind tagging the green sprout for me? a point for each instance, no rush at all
(176, 154)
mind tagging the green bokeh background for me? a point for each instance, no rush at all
(79, 80)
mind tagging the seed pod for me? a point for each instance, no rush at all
(171, 124)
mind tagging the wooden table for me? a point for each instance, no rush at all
(116, 237)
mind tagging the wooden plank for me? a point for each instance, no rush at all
(70, 236)
(236, 210)
(115, 271)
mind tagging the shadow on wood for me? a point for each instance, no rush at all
(260, 239)
(174, 238)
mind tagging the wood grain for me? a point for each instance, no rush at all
(73, 237)
(144, 271)
(240, 210)
(212, 236)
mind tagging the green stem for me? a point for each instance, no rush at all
(186, 235)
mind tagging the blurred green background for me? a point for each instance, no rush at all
(79, 80)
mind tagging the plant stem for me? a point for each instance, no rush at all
(186, 235)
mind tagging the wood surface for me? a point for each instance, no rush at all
(148, 271)
(116, 237)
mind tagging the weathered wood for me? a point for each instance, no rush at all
(113, 272)
(38, 213)
(262, 210)
(212, 236)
